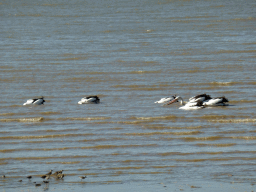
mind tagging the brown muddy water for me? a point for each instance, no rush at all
(130, 54)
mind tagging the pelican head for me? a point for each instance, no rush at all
(176, 99)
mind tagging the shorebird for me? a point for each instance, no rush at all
(3, 176)
(48, 174)
(58, 172)
(37, 101)
(82, 177)
(47, 177)
(89, 99)
(60, 176)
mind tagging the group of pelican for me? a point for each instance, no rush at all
(196, 102)
(85, 100)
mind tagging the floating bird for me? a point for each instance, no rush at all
(202, 97)
(200, 101)
(46, 181)
(82, 177)
(217, 101)
(3, 176)
(20, 180)
(89, 99)
(166, 99)
(37, 101)
(189, 105)
(37, 185)
(193, 105)
(29, 177)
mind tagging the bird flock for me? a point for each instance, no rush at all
(85, 100)
(196, 102)
(47, 176)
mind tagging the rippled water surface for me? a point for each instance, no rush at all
(130, 54)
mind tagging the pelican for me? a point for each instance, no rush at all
(202, 97)
(200, 101)
(188, 105)
(166, 99)
(37, 101)
(89, 99)
(217, 101)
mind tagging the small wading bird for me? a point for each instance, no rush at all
(58, 172)
(89, 99)
(37, 101)
(60, 176)
(166, 99)
(47, 175)
(82, 177)
(200, 101)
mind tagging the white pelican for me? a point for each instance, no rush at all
(89, 99)
(217, 101)
(38, 101)
(166, 99)
(189, 105)
(202, 97)
(200, 101)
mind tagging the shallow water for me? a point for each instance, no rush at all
(130, 54)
